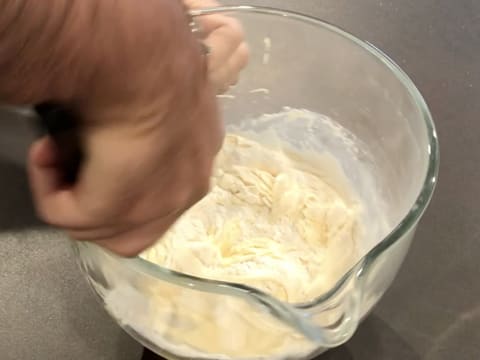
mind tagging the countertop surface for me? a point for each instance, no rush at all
(432, 311)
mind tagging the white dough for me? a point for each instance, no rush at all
(281, 221)
(269, 222)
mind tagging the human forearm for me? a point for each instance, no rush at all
(39, 44)
(83, 51)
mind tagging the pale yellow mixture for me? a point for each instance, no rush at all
(283, 222)
(270, 221)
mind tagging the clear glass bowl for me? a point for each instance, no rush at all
(303, 63)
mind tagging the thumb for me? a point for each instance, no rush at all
(43, 167)
(54, 201)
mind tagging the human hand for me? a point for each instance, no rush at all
(225, 38)
(150, 127)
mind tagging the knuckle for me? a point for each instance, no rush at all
(46, 215)
(49, 213)
(181, 198)
(243, 54)
(201, 187)
(234, 80)
(201, 190)
(236, 29)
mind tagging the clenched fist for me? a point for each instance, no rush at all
(145, 94)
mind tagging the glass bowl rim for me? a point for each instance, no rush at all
(408, 222)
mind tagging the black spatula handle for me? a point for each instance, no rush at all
(63, 126)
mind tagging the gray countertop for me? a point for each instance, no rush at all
(432, 312)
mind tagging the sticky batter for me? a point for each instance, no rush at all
(271, 221)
